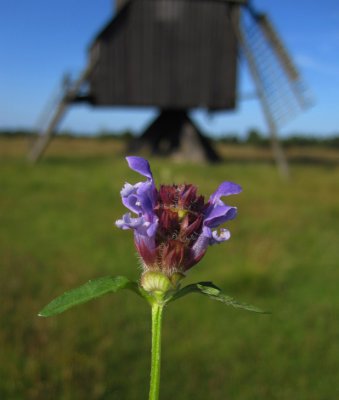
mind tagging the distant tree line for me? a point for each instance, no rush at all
(102, 135)
(253, 138)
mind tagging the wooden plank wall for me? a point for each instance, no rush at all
(174, 54)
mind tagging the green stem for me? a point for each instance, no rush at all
(156, 351)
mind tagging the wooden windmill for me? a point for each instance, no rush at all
(179, 55)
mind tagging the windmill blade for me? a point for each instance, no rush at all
(285, 60)
(281, 83)
(273, 38)
(264, 91)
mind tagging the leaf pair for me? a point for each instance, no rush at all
(98, 287)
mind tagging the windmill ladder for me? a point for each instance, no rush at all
(43, 140)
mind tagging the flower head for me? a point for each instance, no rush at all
(173, 225)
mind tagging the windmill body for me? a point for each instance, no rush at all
(170, 54)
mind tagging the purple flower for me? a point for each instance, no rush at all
(173, 226)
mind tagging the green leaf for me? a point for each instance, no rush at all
(214, 293)
(193, 288)
(90, 290)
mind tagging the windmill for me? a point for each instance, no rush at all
(179, 55)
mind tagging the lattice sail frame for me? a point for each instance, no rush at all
(282, 88)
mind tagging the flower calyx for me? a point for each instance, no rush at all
(159, 286)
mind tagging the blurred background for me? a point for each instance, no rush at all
(57, 218)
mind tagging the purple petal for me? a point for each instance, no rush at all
(131, 202)
(127, 190)
(222, 237)
(219, 214)
(200, 245)
(140, 165)
(152, 228)
(208, 238)
(139, 198)
(127, 222)
(139, 225)
(147, 195)
(225, 189)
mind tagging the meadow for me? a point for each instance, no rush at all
(57, 232)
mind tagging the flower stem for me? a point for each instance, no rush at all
(156, 351)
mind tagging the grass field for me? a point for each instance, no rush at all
(57, 231)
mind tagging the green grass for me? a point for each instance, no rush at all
(57, 231)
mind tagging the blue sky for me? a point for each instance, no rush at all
(41, 40)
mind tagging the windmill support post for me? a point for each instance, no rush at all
(173, 133)
(278, 152)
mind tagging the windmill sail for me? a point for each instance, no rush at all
(277, 44)
(281, 84)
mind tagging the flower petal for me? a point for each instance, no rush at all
(219, 214)
(208, 238)
(127, 222)
(140, 165)
(222, 237)
(131, 202)
(146, 197)
(225, 189)
(127, 189)
(200, 246)
(140, 198)
(139, 225)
